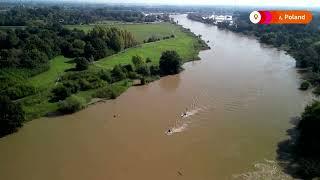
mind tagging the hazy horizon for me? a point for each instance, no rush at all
(284, 3)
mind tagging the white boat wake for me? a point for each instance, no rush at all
(190, 113)
(181, 124)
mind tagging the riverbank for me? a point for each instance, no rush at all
(184, 42)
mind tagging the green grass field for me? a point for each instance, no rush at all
(47, 79)
(140, 31)
(183, 44)
(38, 105)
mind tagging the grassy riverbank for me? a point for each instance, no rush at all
(184, 42)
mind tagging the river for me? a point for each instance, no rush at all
(241, 96)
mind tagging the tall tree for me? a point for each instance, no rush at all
(11, 116)
(170, 63)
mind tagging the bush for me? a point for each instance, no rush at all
(73, 86)
(142, 81)
(133, 75)
(117, 73)
(304, 85)
(148, 60)
(153, 39)
(107, 93)
(154, 70)
(81, 63)
(60, 92)
(19, 91)
(11, 116)
(105, 75)
(143, 70)
(137, 60)
(128, 68)
(170, 63)
(72, 104)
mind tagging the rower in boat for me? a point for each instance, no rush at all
(185, 113)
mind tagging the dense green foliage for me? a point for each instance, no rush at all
(170, 63)
(30, 49)
(21, 16)
(81, 63)
(72, 104)
(309, 131)
(137, 60)
(106, 93)
(11, 116)
(304, 85)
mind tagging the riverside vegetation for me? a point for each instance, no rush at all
(48, 68)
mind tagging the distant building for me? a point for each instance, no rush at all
(219, 18)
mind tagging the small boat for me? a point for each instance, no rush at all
(185, 115)
(169, 132)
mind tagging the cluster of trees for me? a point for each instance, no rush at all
(154, 38)
(32, 48)
(11, 116)
(22, 16)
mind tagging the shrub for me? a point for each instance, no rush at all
(170, 63)
(105, 75)
(143, 70)
(73, 86)
(117, 73)
(107, 93)
(81, 63)
(61, 92)
(72, 104)
(133, 75)
(304, 85)
(148, 60)
(154, 70)
(153, 39)
(128, 68)
(19, 91)
(142, 81)
(11, 116)
(137, 60)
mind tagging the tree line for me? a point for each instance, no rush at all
(22, 16)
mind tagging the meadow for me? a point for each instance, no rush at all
(142, 31)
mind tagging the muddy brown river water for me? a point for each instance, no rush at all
(241, 96)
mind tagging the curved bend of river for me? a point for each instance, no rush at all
(241, 96)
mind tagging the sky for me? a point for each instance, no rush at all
(298, 3)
